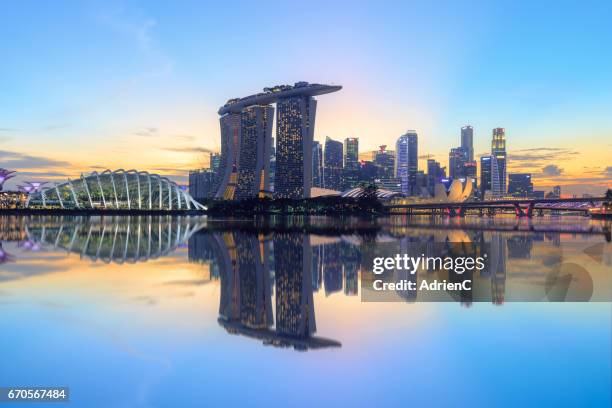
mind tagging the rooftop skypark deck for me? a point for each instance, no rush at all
(273, 94)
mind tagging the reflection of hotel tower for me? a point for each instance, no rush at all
(246, 142)
(245, 305)
(245, 280)
(294, 303)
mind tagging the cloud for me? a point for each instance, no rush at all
(608, 171)
(43, 174)
(552, 170)
(184, 137)
(544, 149)
(147, 132)
(188, 149)
(20, 160)
(541, 155)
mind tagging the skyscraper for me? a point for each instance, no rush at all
(255, 144)
(351, 152)
(317, 164)
(406, 161)
(520, 185)
(485, 175)
(201, 184)
(246, 142)
(434, 174)
(351, 163)
(332, 164)
(385, 162)
(294, 131)
(498, 162)
(227, 176)
(457, 158)
(215, 160)
(467, 141)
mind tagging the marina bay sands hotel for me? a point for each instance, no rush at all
(246, 142)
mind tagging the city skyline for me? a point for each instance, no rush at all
(110, 78)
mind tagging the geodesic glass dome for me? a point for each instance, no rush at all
(120, 189)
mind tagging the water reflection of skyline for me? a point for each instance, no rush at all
(105, 239)
(269, 270)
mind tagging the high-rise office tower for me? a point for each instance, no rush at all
(215, 160)
(457, 158)
(435, 173)
(201, 184)
(317, 164)
(485, 175)
(351, 152)
(470, 169)
(498, 162)
(406, 161)
(520, 185)
(332, 164)
(557, 191)
(385, 162)
(351, 163)
(467, 141)
(294, 131)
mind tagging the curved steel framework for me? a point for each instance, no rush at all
(115, 239)
(120, 189)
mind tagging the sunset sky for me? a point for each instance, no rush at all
(92, 85)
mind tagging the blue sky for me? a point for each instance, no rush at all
(87, 85)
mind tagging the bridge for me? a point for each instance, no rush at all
(522, 207)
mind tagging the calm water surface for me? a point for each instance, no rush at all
(173, 312)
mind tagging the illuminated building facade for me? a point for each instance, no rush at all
(246, 142)
(498, 162)
(295, 119)
(227, 175)
(351, 163)
(406, 161)
(485, 175)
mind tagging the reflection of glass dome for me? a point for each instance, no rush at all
(113, 239)
(120, 189)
